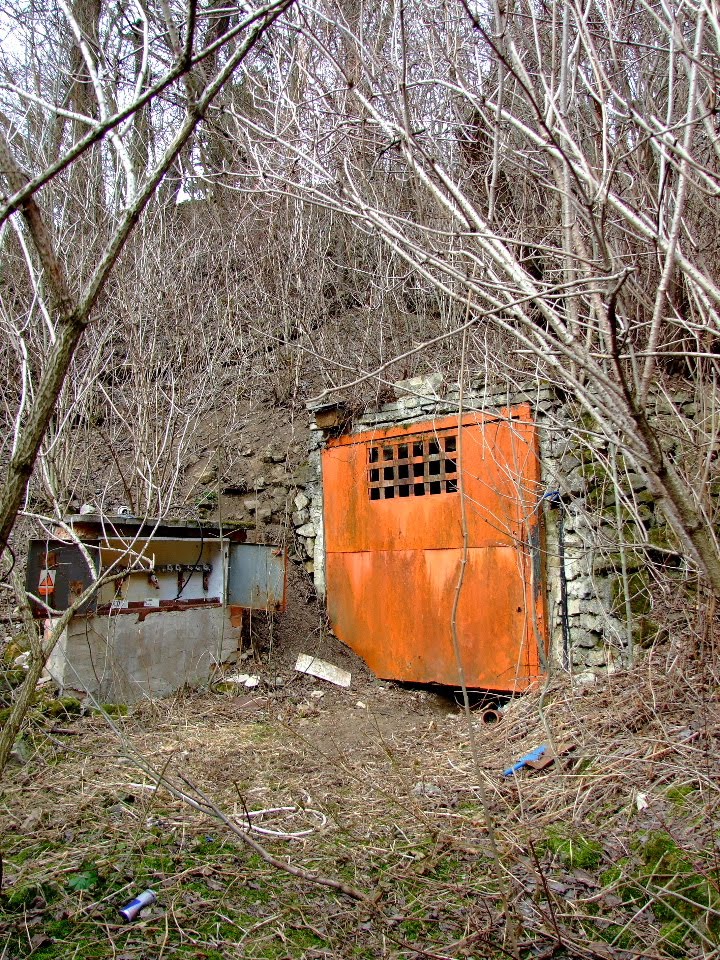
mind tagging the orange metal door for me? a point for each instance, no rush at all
(394, 549)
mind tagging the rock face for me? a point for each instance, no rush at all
(255, 490)
(607, 583)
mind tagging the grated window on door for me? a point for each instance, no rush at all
(413, 467)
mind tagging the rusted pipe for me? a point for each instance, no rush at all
(491, 716)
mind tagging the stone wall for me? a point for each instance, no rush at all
(608, 582)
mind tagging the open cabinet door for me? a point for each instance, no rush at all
(257, 576)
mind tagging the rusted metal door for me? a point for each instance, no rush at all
(395, 548)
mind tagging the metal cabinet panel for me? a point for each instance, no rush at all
(71, 574)
(257, 576)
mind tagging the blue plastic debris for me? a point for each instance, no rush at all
(519, 764)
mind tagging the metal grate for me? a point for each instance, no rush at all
(413, 467)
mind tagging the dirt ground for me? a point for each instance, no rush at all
(372, 792)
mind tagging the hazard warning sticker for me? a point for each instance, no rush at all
(47, 582)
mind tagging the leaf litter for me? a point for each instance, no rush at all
(591, 872)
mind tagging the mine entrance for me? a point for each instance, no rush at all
(394, 541)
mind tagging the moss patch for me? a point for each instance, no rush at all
(683, 888)
(638, 592)
(575, 851)
(678, 795)
(63, 707)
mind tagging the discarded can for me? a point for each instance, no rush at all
(132, 909)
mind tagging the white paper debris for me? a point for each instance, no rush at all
(246, 679)
(323, 670)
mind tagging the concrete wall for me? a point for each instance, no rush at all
(605, 581)
(127, 656)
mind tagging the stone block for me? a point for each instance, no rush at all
(587, 622)
(596, 658)
(427, 385)
(584, 639)
(575, 569)
(574, 482)
(585, 679)
(574, 542)
(611, 563)
(634, 481)
(581, 606)
(274, 454)
(303, 475)
(580, 588)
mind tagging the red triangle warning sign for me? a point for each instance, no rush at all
(47, 582)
